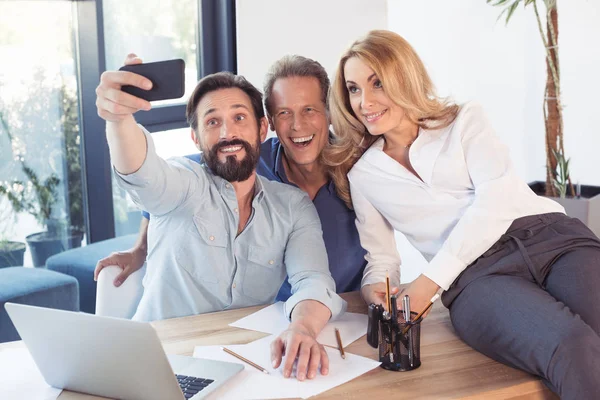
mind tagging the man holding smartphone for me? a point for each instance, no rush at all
(295, 90)
(222, 235)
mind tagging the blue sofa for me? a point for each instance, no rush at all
(81, 262)
(36, 287)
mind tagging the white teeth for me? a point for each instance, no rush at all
(303, 139)
(231, 149)
(371, 117)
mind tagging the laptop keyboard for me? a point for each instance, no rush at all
(191, 385)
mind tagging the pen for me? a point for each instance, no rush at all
(393, 302)
(339, 342)
(387, 291)
(258, 367)
(419, 315)
(394, 325)
(406, 306)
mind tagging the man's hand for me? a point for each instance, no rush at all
(129, 261)
(299, 342)
(115, 105)
(375, 294)
(420, 291)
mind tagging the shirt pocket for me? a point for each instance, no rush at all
(264, 273)
(203, 249)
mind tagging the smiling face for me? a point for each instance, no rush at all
(299, 118)
(368, 99)
(229, 134)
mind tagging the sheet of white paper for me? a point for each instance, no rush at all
(21, 379)
(254, 384)
(272, 320)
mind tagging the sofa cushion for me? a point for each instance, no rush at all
(36, 287)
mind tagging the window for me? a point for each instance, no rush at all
(41, 196)
(171, 143)
(155, 30)
(52, 141)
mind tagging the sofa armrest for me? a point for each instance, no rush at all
(122, 301)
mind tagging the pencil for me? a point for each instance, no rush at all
(419, 315)
(339, 342)
(258, 367)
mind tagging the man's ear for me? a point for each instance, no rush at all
(195, 138)
(271, 124)
(264, 129)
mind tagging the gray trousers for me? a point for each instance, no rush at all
(532, 301)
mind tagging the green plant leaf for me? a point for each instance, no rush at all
(511, 10)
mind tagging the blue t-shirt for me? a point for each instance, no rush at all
(346, 255)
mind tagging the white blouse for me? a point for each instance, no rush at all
(469, 196)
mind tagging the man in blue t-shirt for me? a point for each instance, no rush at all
(296, 103)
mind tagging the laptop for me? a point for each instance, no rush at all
(112, 357)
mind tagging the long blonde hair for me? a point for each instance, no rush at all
(406, 83)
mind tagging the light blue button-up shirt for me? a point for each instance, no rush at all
(196, 262)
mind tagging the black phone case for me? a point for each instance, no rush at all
(168, 80)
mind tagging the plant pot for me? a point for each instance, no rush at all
(43, 245)
(586, 208)
(11, 254)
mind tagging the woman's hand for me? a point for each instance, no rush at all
(375, 294)
(420, 291)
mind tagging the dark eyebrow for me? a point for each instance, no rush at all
(240, 106)
(234, 106)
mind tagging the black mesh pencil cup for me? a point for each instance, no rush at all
(398, 341)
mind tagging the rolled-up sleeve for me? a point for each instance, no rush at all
(307, 264)
(160, 186)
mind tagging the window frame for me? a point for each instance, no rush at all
(216, 51)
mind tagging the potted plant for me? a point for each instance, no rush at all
(579, 201)
(11, 253)
(39, 196)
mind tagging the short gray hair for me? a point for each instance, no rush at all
(291, 66)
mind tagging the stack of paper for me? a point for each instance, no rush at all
(254, 384)
(272, 320)
(21, 379)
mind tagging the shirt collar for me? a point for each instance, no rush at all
(225, 187)
(259, 192)
(279, 168)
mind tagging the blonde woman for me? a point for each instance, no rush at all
(521, 279)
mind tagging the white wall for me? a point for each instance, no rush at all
(319, 29)
(579, 40)
(472, 56)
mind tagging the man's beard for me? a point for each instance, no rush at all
(233, 170)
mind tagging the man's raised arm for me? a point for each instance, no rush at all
(126, 141)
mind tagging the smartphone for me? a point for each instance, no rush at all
(167, 77)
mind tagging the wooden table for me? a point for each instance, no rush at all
(450, 369)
